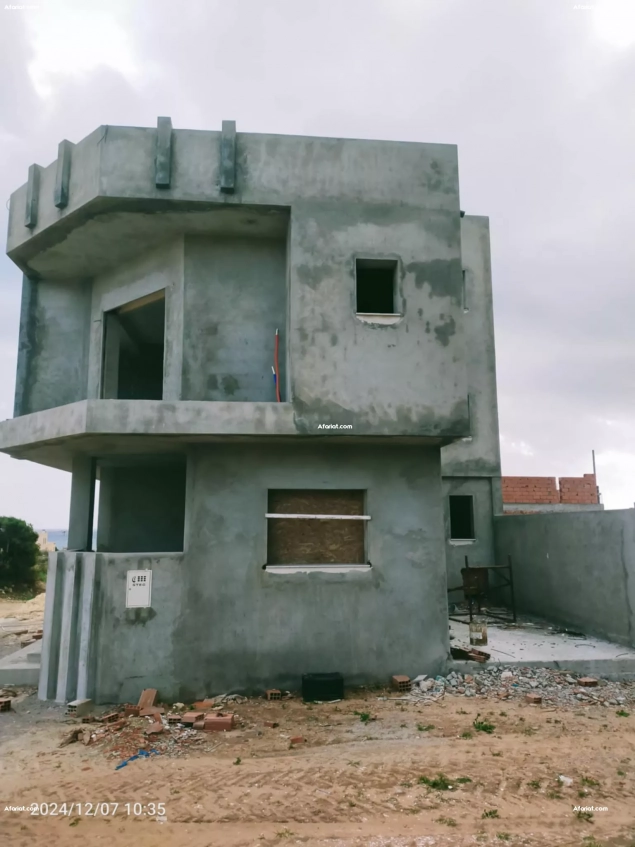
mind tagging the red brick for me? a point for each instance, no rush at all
(155, 728)
(198, 724)
(147, 698)
(401, 682)
(131, 711)
(271, 724)
(151, 710)
(536, 699)
(218, 722)
(111, 717)
(191, 717)
(297, 739)
(273, 694)
(588, 682)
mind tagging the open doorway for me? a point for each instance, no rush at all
(134, 350)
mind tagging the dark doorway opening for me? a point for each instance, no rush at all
(134, 350)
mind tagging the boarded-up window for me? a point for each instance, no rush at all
(316, 540)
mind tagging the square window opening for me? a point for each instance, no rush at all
(134, 350)
(308, 536)
(142, 505)
(462, 517)
(375, 286)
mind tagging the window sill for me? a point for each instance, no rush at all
(460, 542)
(284, 569)
(385, 319)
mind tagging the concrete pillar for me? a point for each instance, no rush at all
(104, 510)
(112, 345)
(80, 524)
(67, 666)
(85, 624)
(48, 660)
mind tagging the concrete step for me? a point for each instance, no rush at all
(19, 668)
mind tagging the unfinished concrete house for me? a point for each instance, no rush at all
(275, 354)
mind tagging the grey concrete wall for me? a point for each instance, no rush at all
(234, 300)
(53, 354)
(220, 622)
(409, 377)
(136, 646)
(576, 568)
(142, 507)
(479, 456)
(481, 550)
(160, 269)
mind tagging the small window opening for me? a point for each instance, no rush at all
(462, 517)
(376, 286)
(134, 350)
(309, 535)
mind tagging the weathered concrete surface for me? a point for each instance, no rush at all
(235, 298)
(21, 667)
(480, 456)
(142, 506)
(481, 550)
(472, 467)
(574, 568)
(220, 622)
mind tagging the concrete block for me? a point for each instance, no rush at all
(63, 174)
(32, 197)
(163, 158)
(228, 157)
(77, 708)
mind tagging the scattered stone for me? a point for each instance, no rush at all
(588, 681)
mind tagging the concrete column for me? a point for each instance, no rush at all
(112, 345)
(48, 660)
(85, 624)
(66, 668)
(80, 525)
(104, 510)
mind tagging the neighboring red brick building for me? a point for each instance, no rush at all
(543, 491)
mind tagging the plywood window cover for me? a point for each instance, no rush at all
(313, 507)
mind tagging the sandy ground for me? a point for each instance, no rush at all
(352, 782)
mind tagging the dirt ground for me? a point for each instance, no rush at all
(359, 778)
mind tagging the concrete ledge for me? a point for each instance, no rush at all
(22, 667)
(147, 417)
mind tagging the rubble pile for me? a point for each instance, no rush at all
(537, 685)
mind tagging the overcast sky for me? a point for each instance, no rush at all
(539, 95)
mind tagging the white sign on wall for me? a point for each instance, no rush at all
(138, 589)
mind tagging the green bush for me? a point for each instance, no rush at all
(19, 554)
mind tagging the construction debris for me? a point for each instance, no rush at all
(5, 704)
